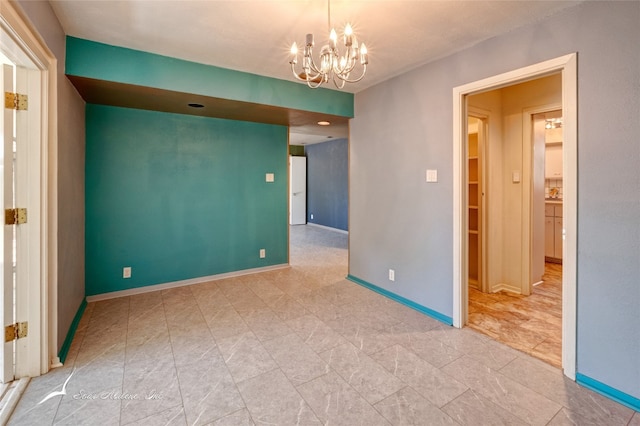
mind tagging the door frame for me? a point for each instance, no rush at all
(527, 195)
(567, 66)
(40, 353)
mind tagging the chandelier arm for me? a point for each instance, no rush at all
(348, 67)
(312, 64)
(335, 82)
(346, 79)
(295, 74)
(318, 84)
(309, 79)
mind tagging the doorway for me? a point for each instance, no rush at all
(506, 210)
(512, 179)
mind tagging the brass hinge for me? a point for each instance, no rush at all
(16, 331)
(16, 101)
(15, 216)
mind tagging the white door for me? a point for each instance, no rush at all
(7, 246)
(25, 277)
(297, 190)
(20, 248)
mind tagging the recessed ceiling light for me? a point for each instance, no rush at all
(194, 105)
(323, 123)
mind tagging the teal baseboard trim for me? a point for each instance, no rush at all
(606, 390)
(413, 305)
(64, 350)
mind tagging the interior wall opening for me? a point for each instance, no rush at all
(514, 189)
(318, 192)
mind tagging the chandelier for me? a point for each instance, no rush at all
(331, 65)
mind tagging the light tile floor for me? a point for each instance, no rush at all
(296, 346)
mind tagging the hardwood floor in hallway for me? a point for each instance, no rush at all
(531, 324)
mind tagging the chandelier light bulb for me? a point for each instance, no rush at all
(348, 31)
(364, 55)
(333, 39)
(348, 35)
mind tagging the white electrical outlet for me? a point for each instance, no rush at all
(263, 253)
(311, 215)
(269, 177)
(392, 275)
(126, 272)
(432, 175)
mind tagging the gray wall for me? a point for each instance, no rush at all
(70, 173)
(327, 183)
(404, 126)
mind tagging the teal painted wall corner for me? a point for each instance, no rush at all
(178, 197)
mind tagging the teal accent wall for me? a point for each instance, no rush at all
(178, 197)
(111, 63)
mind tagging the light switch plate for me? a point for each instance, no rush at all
(515, 176)
(269, 177)
(432, 175)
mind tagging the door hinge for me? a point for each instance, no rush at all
(16, 331)
(16, 216)
(16, 101)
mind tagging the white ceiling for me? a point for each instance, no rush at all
(255, 35)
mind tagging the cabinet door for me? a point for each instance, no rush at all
(557, 237)
(553, 162)
(549, 209)
(549, 239)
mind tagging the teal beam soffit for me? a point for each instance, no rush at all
(98, 61)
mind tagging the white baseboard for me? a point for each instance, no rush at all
(55, 362)
(505, 287)
(182, 283)
(342, 231)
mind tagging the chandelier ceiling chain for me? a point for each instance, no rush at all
(332, 66)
